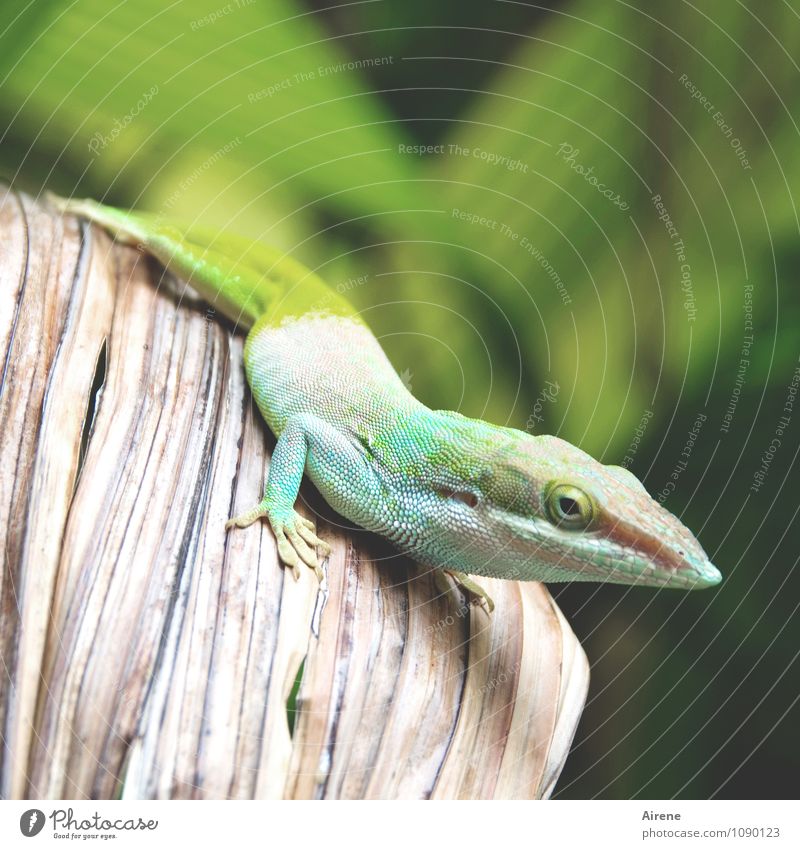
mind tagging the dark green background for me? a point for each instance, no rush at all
(692, 695)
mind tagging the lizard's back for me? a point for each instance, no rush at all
(326, 363)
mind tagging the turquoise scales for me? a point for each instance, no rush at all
(460, 494)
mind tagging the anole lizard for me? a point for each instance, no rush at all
(455, 493)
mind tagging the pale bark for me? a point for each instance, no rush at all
(146, 653)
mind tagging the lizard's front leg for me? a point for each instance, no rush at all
(334, 463)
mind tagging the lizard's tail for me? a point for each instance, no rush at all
(242, 279)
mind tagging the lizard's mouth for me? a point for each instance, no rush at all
(647, 566)
(672, 558)
(697, 577)
(694, 577)
(589, 556)
(621, 568)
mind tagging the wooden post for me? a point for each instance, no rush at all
(147, 654)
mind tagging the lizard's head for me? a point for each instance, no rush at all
(539, 508)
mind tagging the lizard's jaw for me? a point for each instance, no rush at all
(662, 567)
(612, 565)
(545, 553)
(663, 550)
(667, 568)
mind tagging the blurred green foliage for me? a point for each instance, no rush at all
(606, 182)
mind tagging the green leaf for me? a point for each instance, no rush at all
(245, 114)
(591, 118)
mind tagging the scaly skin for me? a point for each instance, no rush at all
(460, 494)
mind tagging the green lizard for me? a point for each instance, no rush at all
(458, 494)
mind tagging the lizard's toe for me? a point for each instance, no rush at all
(308, 533)
(303, 549)
(297, 543)
(287, 554)
(244, 520)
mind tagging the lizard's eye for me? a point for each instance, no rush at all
(569, 507)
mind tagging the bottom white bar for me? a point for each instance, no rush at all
(499, 825)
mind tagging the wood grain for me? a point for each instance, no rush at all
(147, 654)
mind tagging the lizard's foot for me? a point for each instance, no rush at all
(473, 590)
(296, 537)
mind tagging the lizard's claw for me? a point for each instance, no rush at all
(296, 538)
